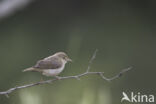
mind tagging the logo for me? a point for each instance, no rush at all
(137, 97)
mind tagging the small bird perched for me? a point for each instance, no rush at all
(52, 65)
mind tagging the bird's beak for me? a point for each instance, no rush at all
(68, 59)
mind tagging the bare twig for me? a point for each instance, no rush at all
(87, 72)
(91, 60)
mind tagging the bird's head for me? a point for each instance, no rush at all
(63, 56)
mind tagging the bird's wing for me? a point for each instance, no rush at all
(54, 63)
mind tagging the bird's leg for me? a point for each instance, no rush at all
(57, 77)
(41, 80)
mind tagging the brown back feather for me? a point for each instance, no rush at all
(52, 63)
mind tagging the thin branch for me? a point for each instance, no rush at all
(91, 60)
(87, 72)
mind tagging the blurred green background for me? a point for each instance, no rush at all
(122, 30)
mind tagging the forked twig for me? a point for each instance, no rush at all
(87, 72)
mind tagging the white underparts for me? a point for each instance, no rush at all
(54, 72)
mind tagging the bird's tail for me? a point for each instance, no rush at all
(28, 69)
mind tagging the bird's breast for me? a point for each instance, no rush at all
(53, 72)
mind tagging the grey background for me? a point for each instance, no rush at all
(122, 31)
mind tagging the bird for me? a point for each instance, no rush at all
(51, 66)
(125, 97)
